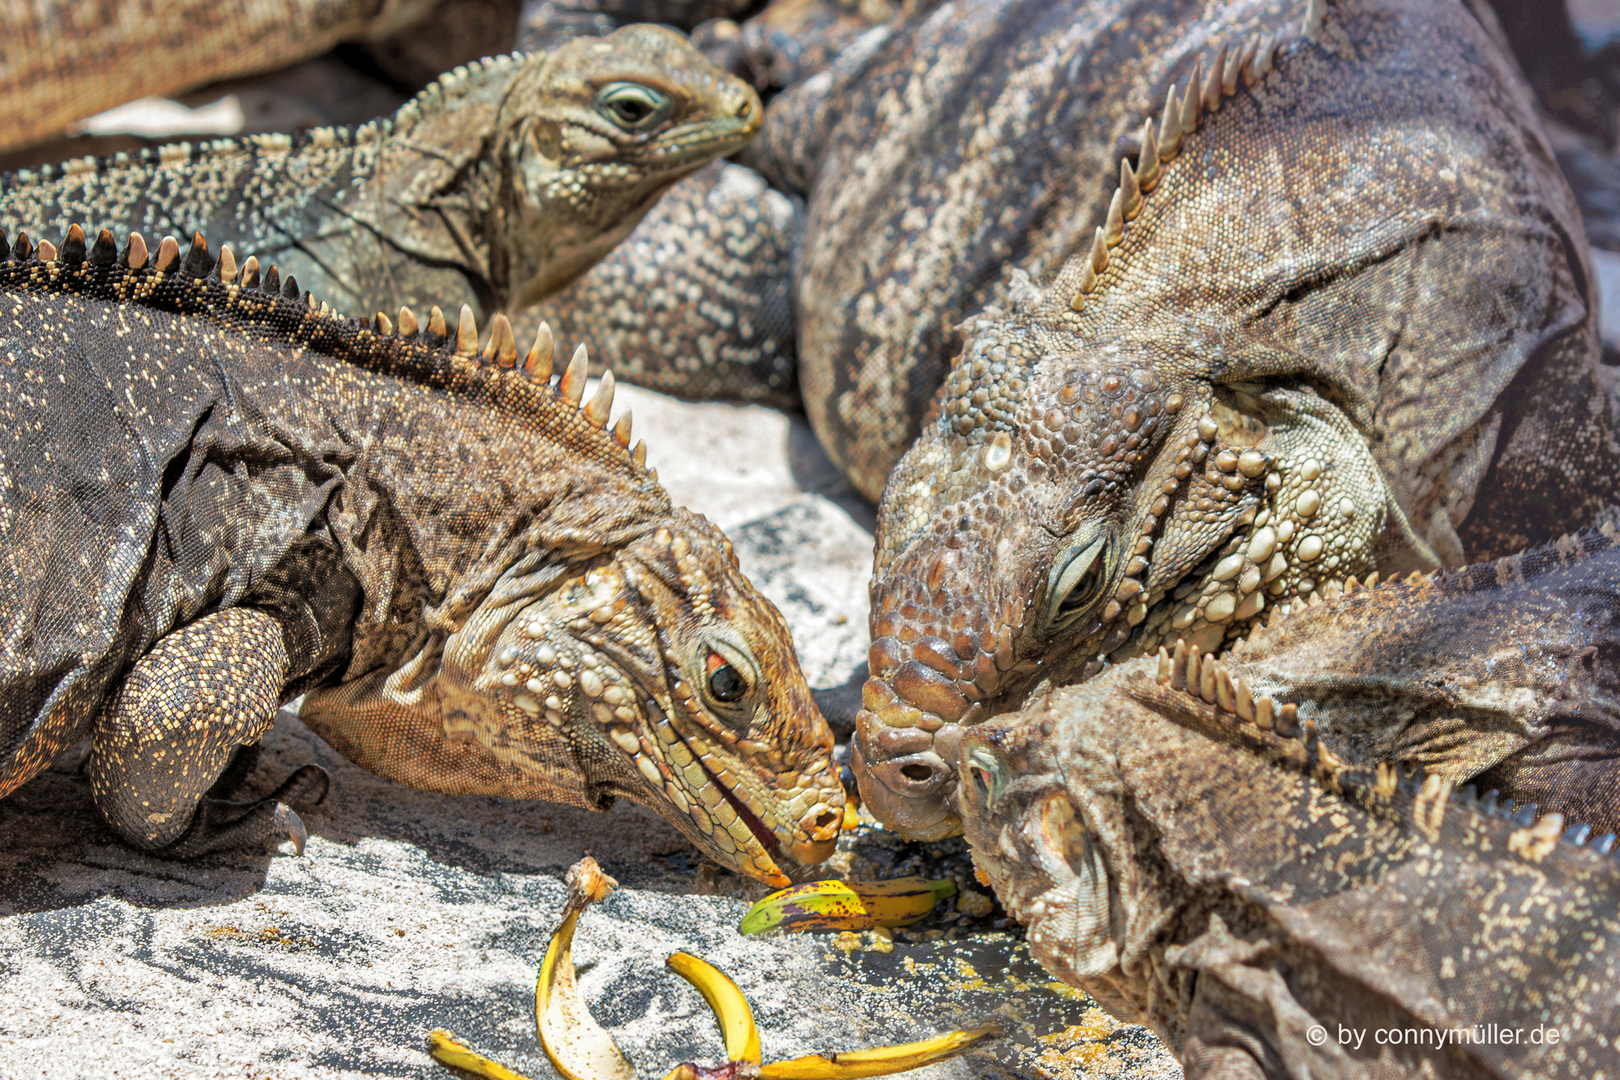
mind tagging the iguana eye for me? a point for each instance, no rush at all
(725, 683)
(631, 106)
(729, 677)
(1074, 583)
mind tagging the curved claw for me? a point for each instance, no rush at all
(287, 821)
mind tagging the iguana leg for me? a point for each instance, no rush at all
(169, 731)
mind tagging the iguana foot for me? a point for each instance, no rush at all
(220, 825)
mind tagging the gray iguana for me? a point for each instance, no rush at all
(218, 495)
(1337, 319)
(1194, 856)
(495, 186)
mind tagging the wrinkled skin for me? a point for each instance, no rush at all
(1258, 395)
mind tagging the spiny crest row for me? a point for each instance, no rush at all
(1204, 676)
(199, 263)
(1182, 115)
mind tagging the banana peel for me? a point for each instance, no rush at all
(580, 1049)
(847, 905)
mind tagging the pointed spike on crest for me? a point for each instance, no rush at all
(1243, 699)
(1265, 713)
(272, 281)
(1164, 666)
(466, 332)
(1187, 121)
(289, 288)
(1169, 140)
(73, 247)
(1212, 81)
(1195, 672)
(407, 322)
(1372, 579)
(227, 264)
(1288, 720)
(601, 403)
(621, 429)
(250, 272)
(1114, 229)
(1147, 162)
(1099, 252)
(1231, 73)
(320, 306)
(1265, 56)
(1130, 193)
(1245, 61)
(640, 454)
(502, 347)
(436, 326)
(572, 384)
(1178, 665)
(382, 324)
(1209, 670)
(537, 364)
(135, 253)
(1225, 691)
(104, 252)
(46, 252)
(1315, 12)
(199, 263)
(22, 248)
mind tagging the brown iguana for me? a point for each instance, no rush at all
(1336, 319)
(495, 186)
(1195, 858)
(219, 495)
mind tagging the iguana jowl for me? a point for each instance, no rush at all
(1336, 319)
(495, 186)
(218, 495)
(1196, 859)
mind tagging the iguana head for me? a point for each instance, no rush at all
(588, 640)
(1127, 457)
(677, 687)
(590, 134)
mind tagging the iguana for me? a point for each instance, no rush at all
(1505, 672)
(1337, 319)
(64, 62)
(219, 495)
(1194, 857)
(495, 186)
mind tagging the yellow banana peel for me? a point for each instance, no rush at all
(731, 1010)
(847, 905)
(580, 1049)
(878, 1061)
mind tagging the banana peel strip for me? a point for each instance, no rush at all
(847, 905)
(878, 1061)
(731, 1010)
(452, 1053)
(580, 1049)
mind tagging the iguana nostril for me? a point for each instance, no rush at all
(917, 772)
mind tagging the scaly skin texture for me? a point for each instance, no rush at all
(1235, 885)
(1504, 673)
(220, 496)
(1341, 323)
(64, 62)
(494, 187)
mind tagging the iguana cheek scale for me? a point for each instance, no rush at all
(475, 582)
